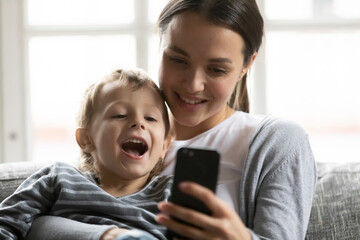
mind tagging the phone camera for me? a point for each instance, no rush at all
(191, 153)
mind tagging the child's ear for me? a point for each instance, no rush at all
(84, 140)
(166, 145)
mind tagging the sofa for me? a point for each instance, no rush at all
(335, 212)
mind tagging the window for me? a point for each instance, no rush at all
(311, 53)
(51, 50)
(62, 46)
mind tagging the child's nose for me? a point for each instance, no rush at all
(138, 124)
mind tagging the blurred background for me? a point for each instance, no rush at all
(51, 50)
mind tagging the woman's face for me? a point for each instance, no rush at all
(200, 66)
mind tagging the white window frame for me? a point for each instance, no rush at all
(12, 108)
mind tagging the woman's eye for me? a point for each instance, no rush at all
(150, 119)
(218, 71)
(119, 116)
(178, 60)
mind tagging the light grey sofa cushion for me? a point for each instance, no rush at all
(335, 212)
(336, 206)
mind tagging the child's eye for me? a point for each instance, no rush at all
(119, 116)
(150, 119)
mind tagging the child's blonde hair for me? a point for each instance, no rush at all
(134, 78)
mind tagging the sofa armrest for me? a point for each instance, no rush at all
(335, 211)
(13, 174)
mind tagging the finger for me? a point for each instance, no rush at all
(205, 195)
(198, 219)
(182, 213)
(190, 232)
(112, 233)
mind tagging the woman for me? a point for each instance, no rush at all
(267, 173)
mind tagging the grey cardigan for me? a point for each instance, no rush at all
(289, 171)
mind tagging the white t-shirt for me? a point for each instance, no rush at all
(231, 138)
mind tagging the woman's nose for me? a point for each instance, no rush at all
(194, 81)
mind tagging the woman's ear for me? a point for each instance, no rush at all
(84, 140)
(248, 66)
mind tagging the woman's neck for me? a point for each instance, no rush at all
(182, 132)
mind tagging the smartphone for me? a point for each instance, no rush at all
(195, 165)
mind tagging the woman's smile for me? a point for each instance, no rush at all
(191, 101)
(190, 105)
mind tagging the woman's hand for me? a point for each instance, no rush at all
(223, 224)
(112, 233)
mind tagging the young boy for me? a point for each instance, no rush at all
(123, 135)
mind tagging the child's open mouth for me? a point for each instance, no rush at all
(135, 147)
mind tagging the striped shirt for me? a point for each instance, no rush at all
(62, 190)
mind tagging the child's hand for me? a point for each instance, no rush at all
(112, 233)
